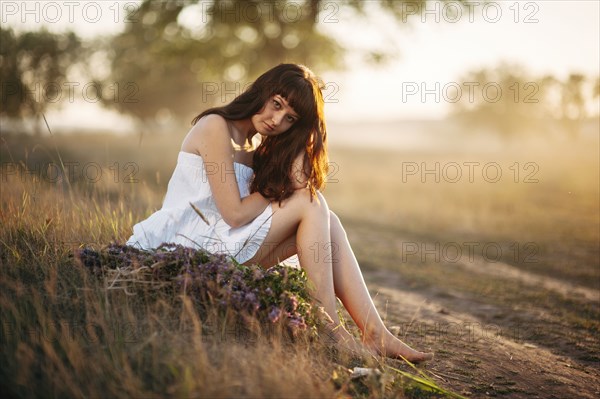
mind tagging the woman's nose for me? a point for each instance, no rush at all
(277, 118)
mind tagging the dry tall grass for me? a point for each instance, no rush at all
(65, 334)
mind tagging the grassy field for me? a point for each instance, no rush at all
(474, 255)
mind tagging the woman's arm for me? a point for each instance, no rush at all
(211, 140)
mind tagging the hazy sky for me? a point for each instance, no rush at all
(546, 37)
(564, 39)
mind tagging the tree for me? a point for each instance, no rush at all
(572, 103)
(177, 58)
(34, 67)
(504, 99)
(521, 103)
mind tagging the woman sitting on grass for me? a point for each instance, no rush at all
(261, 204)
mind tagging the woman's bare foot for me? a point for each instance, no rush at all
(347, 345)
(392, 347)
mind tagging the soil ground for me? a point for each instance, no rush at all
(526, 341)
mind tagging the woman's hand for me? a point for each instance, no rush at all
(299, 173)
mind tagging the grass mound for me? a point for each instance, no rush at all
(214, 282)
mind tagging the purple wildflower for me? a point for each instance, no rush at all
(274, 314)
(293, 303)
(252, 301)
(298, 324)
(257, 274)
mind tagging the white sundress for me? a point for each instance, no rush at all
(177, 222)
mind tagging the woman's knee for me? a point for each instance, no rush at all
(304, 197)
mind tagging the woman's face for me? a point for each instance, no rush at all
(275, 118)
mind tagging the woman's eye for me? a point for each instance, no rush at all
(276, 103)
(291, 119)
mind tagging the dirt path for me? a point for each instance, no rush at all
(501, 269)
(496, 330)
(474, 357)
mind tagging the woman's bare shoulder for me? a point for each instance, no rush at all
(210, 130)
(210, 124)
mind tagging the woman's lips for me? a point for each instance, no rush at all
(269, 127)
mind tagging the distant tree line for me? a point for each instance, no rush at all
(510, 101)
(175, 58)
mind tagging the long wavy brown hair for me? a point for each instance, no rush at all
(273, 159)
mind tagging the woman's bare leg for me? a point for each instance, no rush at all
(325, 253)
(309, 223)
(350, 287)
(279, 252)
